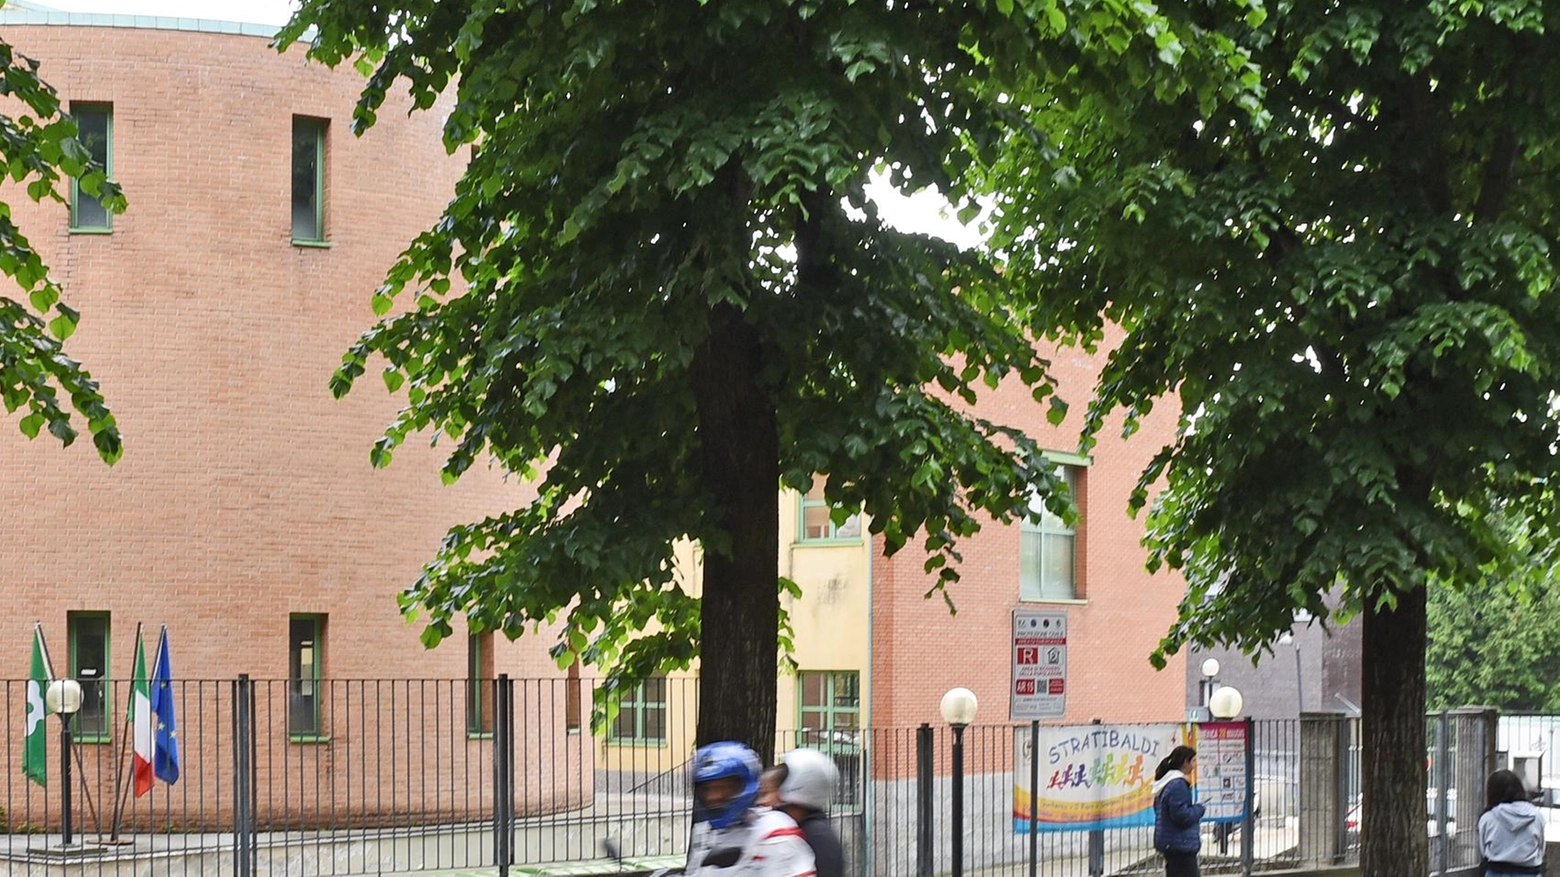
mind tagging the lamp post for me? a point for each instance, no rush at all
(1224, 705)
(63, 696)
(1289, 639)
(958, 710)
(1209, 683)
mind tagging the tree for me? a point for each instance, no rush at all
(1350, 292)
(40, 146)
(661, 290)
(1496, 641)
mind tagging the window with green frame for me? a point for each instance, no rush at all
(641, 714)
(1047, 551)
(89, 662)
(95, 131)
(479, 683)
(308, 180)
(831, 709)
(816, 519)
(305, 659)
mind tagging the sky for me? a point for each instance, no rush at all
(926, 211)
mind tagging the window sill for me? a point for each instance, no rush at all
(637, 744)
(75, 230)
(310, 245)
(1056, 601)
(479, 735)
(309, 739)
(827, 543)
(91, 739)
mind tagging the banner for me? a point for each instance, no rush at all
(1094, 777)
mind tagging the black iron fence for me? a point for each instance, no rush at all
(347, 777)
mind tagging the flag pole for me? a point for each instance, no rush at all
(120, 786)
(48, 665)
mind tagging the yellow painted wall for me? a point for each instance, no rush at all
(831, 623)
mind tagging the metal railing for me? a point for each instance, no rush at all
(347, 777)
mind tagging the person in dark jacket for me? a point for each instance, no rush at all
(1176, 815)
(801, 786)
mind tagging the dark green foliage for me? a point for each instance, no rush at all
(664, 219)
(1349, 288)
(40, 149)
(1496, 641)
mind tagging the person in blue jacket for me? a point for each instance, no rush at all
(1176, 815)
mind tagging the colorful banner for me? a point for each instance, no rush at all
(1094, 777)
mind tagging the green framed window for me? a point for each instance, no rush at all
(308, 180)
(95, 130)
(479, 683)
(89, 662)
(816, 519)
(1047, 551)
(830, 709)
(305, 660)
(641, 714)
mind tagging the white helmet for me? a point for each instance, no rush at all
(809, 779)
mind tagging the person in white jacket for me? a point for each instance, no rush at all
(732, 837)
(1511, 831)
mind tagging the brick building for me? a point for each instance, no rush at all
(245, 514)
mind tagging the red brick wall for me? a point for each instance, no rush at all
(920, 650)
(245, 492)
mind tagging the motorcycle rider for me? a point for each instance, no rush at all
(802, 786)
(734, 838)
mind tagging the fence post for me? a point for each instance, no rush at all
(1341, 786)
(1096, 844)
(923, 801)
(1320, 772)
(503, 773)
(243, 776)
(1443, 775)
(1475, 761)
(1248, 825)
(1034, 797)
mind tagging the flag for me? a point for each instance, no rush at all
(166, 749)
(35, 751)
(141, 722)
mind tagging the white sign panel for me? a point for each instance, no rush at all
(1039, 665)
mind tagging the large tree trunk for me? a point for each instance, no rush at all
(1392, 757)
(739, 465)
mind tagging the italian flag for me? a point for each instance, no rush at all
(141, 721)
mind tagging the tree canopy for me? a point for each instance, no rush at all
(1496, 641)
(661, 290)
(40, 149)
(1351, 296)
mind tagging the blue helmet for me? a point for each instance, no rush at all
(717, 761)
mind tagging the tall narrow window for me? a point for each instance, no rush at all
(88, 632)
(817, 519)
(95, 130)
(479, 683)
(641, 714)
(1047, 550)
(308, 180)
(571, 698)
(305, 656)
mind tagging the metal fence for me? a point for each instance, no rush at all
(347, 777)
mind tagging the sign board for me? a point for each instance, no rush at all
(1094, 777)
(1221, 770)
(1039, 655)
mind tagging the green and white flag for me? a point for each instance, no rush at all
(35, 751)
